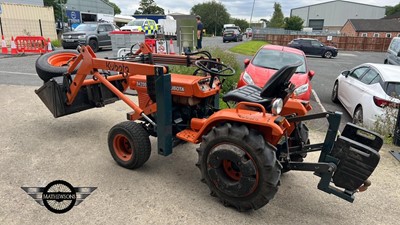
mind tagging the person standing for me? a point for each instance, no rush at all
(199, 32)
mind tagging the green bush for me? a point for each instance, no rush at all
(226, 58)
(56, 43)
(385, 124)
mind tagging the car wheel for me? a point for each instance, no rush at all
(358, 116)
(94, 45)
(335, 91)
(327, 54)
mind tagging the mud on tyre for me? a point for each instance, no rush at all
(239, 167)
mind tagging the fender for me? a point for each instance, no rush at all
(272, 127)
(91, 37)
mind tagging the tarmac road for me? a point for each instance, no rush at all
(37, 149)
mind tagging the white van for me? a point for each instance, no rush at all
(393, 52)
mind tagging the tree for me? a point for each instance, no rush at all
(243, 24)
(213, 15)
(390, 10)
(149, 7)
(277, 20)
(57, 6)
(294, 23)
(117, 10)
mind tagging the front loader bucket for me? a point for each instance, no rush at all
(53, 95)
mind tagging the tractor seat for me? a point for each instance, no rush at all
(248, 93)
(278, 86)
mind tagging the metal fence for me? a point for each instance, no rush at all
(23, 27)
(341, 42)
(282, 31)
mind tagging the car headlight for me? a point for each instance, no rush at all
(277, 106)
(81, 36)
(247, 78)
(301, 90)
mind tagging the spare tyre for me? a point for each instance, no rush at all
(55, 64)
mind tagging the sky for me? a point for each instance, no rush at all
(238, 8)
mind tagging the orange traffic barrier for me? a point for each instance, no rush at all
(31, 44)
(4, 49)
(171, 47)
(152, 44)
(13, 46)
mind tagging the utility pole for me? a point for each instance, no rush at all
(251, 16)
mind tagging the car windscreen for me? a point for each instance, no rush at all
(393, 89)
(273, 59)
(86, 27)
(229, 31)
(135, 23)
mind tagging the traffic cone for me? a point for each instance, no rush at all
(49, 47)
(171, 47)
(4, 49)
(13, 46)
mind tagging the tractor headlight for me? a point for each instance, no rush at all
(301, 90)
(277, 106)
(82, 37)
(247, 78)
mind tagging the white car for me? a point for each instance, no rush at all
(367, 90)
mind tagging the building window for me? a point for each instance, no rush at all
(376, 34)
(388, 35)
(364, 35)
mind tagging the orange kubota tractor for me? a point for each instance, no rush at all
(243, 150)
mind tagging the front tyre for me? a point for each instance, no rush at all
(129, 144)
(94, 45)
(335, 91)
(239, 167)
(327, 54)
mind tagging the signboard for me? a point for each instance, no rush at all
(161, 47)
(329, 38)
(74, 16)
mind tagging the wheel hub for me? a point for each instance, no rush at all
(232, 170)
(123, 148)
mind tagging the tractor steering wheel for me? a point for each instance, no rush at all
(214, 68)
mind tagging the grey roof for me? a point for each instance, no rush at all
(328, 2)
(375, 25)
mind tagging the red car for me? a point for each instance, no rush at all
(271, 58)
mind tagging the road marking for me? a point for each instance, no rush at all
(318, 100)
(30, 74)
(346, 54)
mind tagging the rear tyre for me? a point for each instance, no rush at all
(335, 91)
(54, 64)
(94, 45)
(358, 116)
(129, 144)
(327, 54)
(239, 167)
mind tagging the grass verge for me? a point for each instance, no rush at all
(248, 47)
